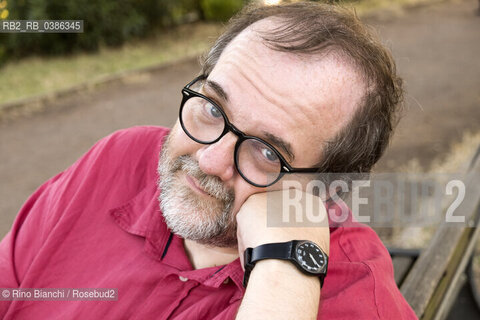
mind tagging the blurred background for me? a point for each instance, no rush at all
(60, 93)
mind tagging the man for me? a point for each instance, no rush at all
(294, 88)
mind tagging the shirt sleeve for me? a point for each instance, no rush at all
(15, 254)
(360, 282)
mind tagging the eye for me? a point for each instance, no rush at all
(269, 154)
(213, 111)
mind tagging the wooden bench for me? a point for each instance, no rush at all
(430, 279)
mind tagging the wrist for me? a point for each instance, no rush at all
(278, 290)
(280, 274)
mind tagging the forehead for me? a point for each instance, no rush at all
(303, 99)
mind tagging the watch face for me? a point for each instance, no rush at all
(310, 257)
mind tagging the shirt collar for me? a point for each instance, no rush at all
(141, 216)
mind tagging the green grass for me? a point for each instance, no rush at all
(40, 75)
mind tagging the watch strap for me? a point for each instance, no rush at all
(282, 251)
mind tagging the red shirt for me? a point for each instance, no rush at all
(98, 225)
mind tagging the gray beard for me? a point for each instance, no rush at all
(208, 221)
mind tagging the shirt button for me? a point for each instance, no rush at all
(183, 279)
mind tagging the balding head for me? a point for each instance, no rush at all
(319, 31)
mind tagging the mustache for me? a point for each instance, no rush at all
(211, 184)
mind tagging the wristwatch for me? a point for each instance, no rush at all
(308, 257)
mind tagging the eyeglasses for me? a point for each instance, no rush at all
(256, 160)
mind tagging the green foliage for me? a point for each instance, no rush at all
(3, 54)
(220, 10)
(106, 22)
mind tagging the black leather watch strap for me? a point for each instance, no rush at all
(281, 251)
(272, 251)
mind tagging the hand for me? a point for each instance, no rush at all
(252, 229)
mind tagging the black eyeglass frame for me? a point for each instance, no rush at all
(285, 167)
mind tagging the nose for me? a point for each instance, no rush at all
(217, 158)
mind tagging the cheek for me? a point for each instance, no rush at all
(180, 144)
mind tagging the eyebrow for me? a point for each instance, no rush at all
(218, 89)
(279, 142)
